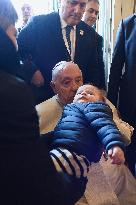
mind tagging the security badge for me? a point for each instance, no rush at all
(81, 32)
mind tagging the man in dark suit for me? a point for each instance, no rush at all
(44, 40)
(91, 12)
(122, 80)
(90, 16)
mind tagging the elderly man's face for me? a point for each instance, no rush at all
(67, 82)
(72, 11)
(26, 11)
(91, 13)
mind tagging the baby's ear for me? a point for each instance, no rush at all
(104, 99)
(103, 95)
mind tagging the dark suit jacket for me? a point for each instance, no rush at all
(99, 53)
(42, 39)
(122, 81)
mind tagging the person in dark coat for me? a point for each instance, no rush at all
(45, 40)
(90, 17)
(27, 172)
(122, 80)
(91, 12)
(88, 122)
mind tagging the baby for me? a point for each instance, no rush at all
(88, 122)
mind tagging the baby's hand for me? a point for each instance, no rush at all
(117, 155)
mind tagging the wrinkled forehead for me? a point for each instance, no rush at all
(70, 71)
(26, 6)
(74, 2)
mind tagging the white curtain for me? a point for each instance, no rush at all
(53, 5)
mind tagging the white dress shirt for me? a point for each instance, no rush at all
(72, 37)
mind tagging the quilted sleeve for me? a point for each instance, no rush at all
(99, 116)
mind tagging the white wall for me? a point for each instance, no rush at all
(39, 7)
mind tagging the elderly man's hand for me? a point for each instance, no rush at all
(37, 79)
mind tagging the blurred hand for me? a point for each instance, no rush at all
(117, 155)
(37, 79)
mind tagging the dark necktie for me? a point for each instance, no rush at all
(68, 30)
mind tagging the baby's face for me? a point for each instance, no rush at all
(88, 93)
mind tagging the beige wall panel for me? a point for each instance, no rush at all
(127, 9)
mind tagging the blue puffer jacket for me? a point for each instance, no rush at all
(87, 128)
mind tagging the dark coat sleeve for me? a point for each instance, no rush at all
(100, 62)
(26, 49)
(28, 176)
(26, 40)
(10, 61)
(26, 70)
(117, 65)
(88, 55)
(70, 187)
(30, 38)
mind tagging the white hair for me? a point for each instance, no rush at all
(59, 67)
